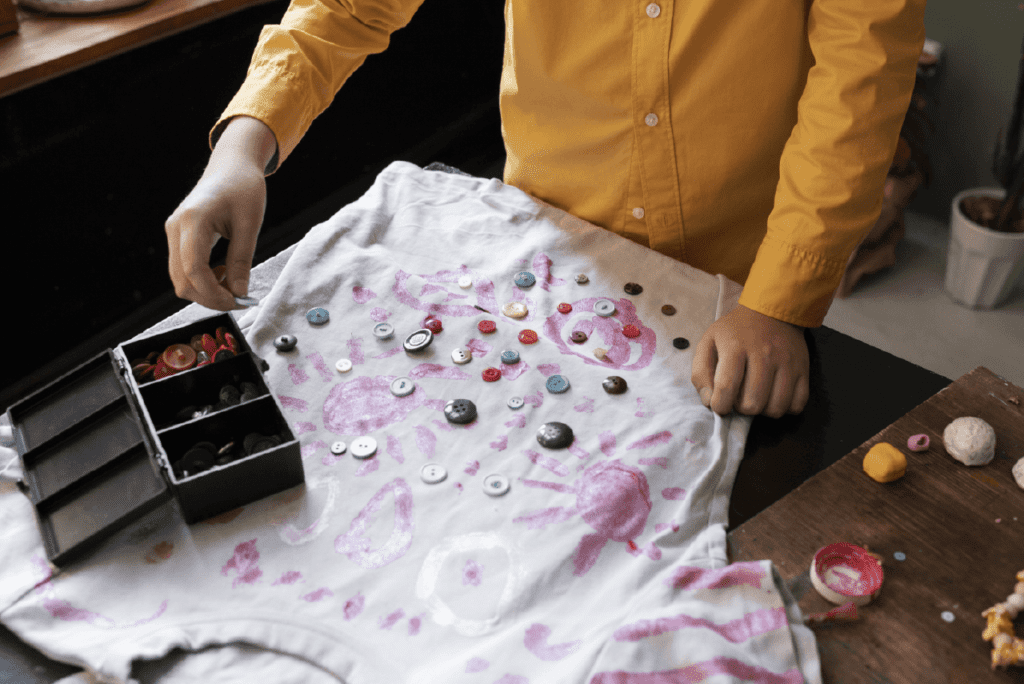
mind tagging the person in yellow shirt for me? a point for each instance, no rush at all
(748, 138)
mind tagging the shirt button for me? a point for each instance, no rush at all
(383, 331)
(343, 365)
(418, 340)
(638, 213)
(651, 119)
(402, 387)
(496, 485)
(653, 10)
(515, 403)
(432, 473)
(338, 448)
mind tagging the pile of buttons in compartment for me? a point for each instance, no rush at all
(201, 350)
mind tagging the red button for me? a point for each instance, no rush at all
(631, 331)
(564, 308)
(491, 375)
(486, 326)
(527, 337)
(179, 357)
(433, 325)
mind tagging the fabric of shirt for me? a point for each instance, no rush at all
(605, 560)
(749, 138)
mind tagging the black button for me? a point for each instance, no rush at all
(614, 385)
(285, 342)
(680, 343)
(460, 411)
(633, 289)
(554, 435)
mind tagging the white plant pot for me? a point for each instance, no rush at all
(983, 264)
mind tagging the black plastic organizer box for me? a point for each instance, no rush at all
(100, 447)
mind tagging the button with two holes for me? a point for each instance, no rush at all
(578, 336)
(363, 447)
(633, 289)
(343, 365)
(402, 387)
(515, 403)
(465, 282)
(338, 448)
(462, 355)
(432, 473)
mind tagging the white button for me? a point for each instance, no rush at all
(465, 282)
(383, 331)
(402, 387)
(338, 448)
(638, 213)
(462, 355)
(343, 365)
(653, 10)
(604, 307)
(651, 119)
(496, 485)
(432, 473)
(515, 403)
(364, 447)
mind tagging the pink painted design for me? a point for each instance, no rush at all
(450, 427)
(698, 672)
(293, 403)
(511, 371)
(455, 295)
(426, 441)
(297, 374)
(556, 486)
(512, 679)
(542, 269)
(471, 573)
(357, 546)
(586, 407)
(245, 563)
(446, 427)
(414, 626)
(658, 461)
(307, 449)
(482, 288)
(388, 354)
(329, 458)
(500, 444)
(368, 466)
(674, 493)
(548, 369)
(320, 366)
(303, 427)
(536, 642)
(518, 421)
(361, 295)
(541, 519)
(651, 440)
(472, 468)
(587, 552)
(607, 441)
(476, 665)
(436, 370)
(535, 400)
(428, 288)
(750, 573)
(558, 327)
(395, 449)
(579, 452)
(389, 621)
(355, 350)
(652, 551)
(662, 527)
(379, 315)
(640, 413)
(290, 577)
(365, 405)
(321, 593)
(458, 485)
(750, 625)
(63, 610)
(633, 549)
(478, 348)
(354, 606)
(547, 463)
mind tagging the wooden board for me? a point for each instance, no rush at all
(961, 528)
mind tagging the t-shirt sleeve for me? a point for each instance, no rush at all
(299, 65)
(833, 166)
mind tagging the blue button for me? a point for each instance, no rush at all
(557, 384)
(510, 356)
(317, 316)
(525, 279)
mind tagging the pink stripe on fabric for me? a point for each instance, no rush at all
(651, 440)
(740, 629)
(698, 672)
(750, 573)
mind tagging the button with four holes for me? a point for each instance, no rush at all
(557, 384)
(432, 473)
(364, 447)
(418, 340)
(604, 307)
(402, 387)
(462, 355)
(514, 309)
(285, 342)
(491, 375)
(343, 365)
(554, 435)
(564, 308)
(515, 403)
(496, 484)
(317, 315)
(527, 336)
(338, 448)
(465, 282)
(383, 331)
(633, 289)
(578, 336)
(524, 279)
(631, 331)
(460, 411)
(510, 356)
(486, 327)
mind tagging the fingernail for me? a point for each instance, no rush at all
(705, 396)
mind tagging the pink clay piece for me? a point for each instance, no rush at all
(918, 443)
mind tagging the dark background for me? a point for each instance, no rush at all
(93, 162)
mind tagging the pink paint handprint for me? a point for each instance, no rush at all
(622, 353)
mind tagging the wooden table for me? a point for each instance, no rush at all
(47, 46)
(961, 528)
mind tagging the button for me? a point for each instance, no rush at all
(179, 357)
(680, 343)
(653, 10)
(582, 279)
(343, 365)
(486, 327)
(402, 387)
(527, 336)
(246, 302)
(515, 403)
(554, 435)
(524, 279)
(633, 289)
(465, 282)
(496, 485)
(491, 375)
(433, 324)
(460, 411)
(419, 340)
(338, 448)
(578, 336)
(631, 331)
(651, 119)
(510, 356)
(383, 331)
(364, 447)
(462, 355)
(564, 308)
(614, 385)
(668, 310)
(432, 473)
(254, 443)
(317, 315)
(638, 213)
(601, 353)
(514, 309)
(557, 384)
(604, 307)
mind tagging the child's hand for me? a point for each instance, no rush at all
(752, 363)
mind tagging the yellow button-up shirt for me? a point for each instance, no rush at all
(744, 137)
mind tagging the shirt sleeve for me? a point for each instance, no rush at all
(834, 164)
(300, 65)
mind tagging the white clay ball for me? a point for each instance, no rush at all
(1018, 473)
(971, 441)
(1015, 603)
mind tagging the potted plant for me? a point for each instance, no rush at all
(986, 241)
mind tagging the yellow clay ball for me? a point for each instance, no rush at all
(885, 463)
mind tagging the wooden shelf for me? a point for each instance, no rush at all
(47, 46)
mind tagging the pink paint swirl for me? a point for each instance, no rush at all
(379, 315)
(472, 468)
(302, 428)
(367, 467)
(750, 573)
(389, 621)
(536, 642)
(426, 441)
(586, 407)
(355, 351)
(361, 295)
(559, 326)
(500, 444)
(640, 413)
(354, 606)
(395, 449)
(319, 594)
(548, 369)
(478, 348)
(364, 405)
(436, 370)
(245, 563)
(658, 461)
(651, 440)
(511, 371)
(579, 452)
(356, 545)
(476, 665)
(482, 288)
(388, 354)
(297, 374)
(664, 527)
(607, 441)
(414, 626)
(674, 493)
(540, 519)
(541, 268)
(290, 577)
(517, 421)
(535, 400)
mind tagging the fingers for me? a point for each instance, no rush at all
(702, 368)
(189, 267)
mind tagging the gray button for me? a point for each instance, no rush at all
(432, 473)
(516, 403)
(554, 435)
(364, 447)
(338, 448)
(402, 387)
(510, 356)
(496, 485)
(460, 411)
(604, 307)
(285, 342)
(383, 331)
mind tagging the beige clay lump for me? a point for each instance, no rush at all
(970, 440)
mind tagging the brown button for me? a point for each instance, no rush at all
(668, 310)
(614, 385)
(578, 336)
(633, 289)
